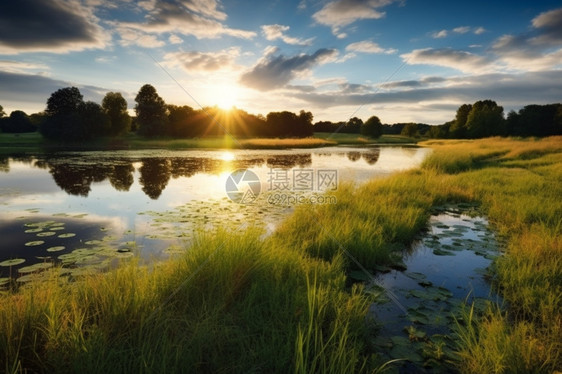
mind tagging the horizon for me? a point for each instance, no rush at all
(337, 59)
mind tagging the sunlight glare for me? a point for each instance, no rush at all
(227, 156)
(226, 96)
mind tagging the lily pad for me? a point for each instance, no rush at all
(30, 231)
(35, 267)
(12, 262)
(34, 243)
(46, 233)
(67, 235)
(56, 248)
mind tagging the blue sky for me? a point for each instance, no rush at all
(403, 61)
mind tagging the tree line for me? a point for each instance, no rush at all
(68, 117)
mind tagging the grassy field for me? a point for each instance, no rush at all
(34, 141)
(238, 302)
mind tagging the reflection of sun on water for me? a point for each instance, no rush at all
(227, 156)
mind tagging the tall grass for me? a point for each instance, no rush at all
(231, 304)
(518, 182)
(242, 303)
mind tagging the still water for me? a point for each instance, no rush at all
(89, 208)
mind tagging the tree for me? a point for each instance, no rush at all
(372, 128)
(17, 122)
(64, 101)
(94, 121)
(152, 116)
(353, 126)
(2, 113)
(305, 124)
(115, 106)
(485, 119)
(458, 128)
(411, 130)
(180, 121)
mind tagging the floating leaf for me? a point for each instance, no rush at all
(56, 228)
(30, 231)
(34, 243)
(5, 281)
(12, 262)
(35, 267)
(46, 233)
(56, 248)
(67, 235)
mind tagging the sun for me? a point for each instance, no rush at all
(226, 96)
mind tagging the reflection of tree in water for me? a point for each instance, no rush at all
(289, 161)
(372, 156)
(76, 179)
(353, 156)
(185, 166)
(154, 176)
(5, 164)
(121, 177)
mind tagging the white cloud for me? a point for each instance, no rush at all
(367, 46)
(204, 62)
(273, 32)
(200, 18)
(174, 39)
(440, 34)
(539, 49)
(461, 29)
(22, 67)
(479, 30)
(447, 57)
(340, 13)
(273, 72)
(131, 36)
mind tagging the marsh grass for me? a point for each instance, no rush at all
(240, 303)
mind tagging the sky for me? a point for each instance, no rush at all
(401, 60)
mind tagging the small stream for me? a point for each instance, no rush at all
(446, 271)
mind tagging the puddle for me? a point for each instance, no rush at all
(446, 269)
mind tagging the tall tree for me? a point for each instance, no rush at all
(353, 125)
(485, 119)
(62, 120)
(152, 118)
(2, 113)
(115, 106)
(64, 101)
(458, 128)
(372, 127)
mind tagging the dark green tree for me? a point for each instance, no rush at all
(458, 129)
(152, 114)
(115, 106)
(2, 113)
(353, 125)
(372, 127)
(64, 101)
(18, 122)
(181, 121)
(411, 130)
(94, 121)
(485, 119)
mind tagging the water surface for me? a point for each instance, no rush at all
(90, 207)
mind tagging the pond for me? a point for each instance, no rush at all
(445, 275)
(92, 208)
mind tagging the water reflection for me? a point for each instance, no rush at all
(75, 174)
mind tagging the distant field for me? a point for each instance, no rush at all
(27, 141)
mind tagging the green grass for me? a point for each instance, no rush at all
(243, 303)
(350, 139)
